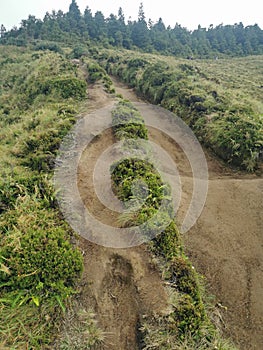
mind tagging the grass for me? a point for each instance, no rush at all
(40, 95)
(221, 100)
(80, 330)
(41, 92)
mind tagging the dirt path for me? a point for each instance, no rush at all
(226, 245)
(121, 285)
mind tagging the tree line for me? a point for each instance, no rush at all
(148, 36)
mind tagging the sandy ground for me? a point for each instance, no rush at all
(225, 245)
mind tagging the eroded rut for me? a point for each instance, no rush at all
(226, 245)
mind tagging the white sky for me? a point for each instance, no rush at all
(188, 13)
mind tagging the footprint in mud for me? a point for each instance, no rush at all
(119, 310)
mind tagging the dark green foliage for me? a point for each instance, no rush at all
(189, 313)
(137, 62)
(169, 243)
(80, 51)
(237, 139)
(44, 263)
(9, 192)
(189, 317)
(184, 277)
(39, 151)
(137, 182)
(98, 74)
(40, 263)
(127, 171)
(128, 123)
(46, 45)
(95, 72)
(66, 87)
(74, 27)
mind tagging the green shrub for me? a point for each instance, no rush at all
(95, 72)
(66, 87)
(46, 45)
(40, 262)
(189, 317)
(44, 262)
(79, 51)
(237, 139)
(128, 123)
(125, 173)
(192, 94)
(184, 276)
(169, 243)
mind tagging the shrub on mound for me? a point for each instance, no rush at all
(128, 123)
(37, 260)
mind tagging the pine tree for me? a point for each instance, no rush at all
(75, 19)
(140, 32)
(141, 15)
(121, 17)
(2, 31)
(74, 12)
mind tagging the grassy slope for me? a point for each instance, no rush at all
(39, 96)
(220, 99)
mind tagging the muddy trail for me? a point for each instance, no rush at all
(225, 245)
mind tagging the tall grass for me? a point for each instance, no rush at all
(40, 96)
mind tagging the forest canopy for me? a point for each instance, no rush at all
(142, 34)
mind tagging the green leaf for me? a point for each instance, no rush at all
(36, 300)
(60, 303)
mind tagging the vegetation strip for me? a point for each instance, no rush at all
(188, 321)
(38, 264)
(223, 120)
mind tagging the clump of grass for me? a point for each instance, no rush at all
(95, 73)
(127, 122)
(27, 326)
(80, 330)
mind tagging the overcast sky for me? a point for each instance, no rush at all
(188, 13)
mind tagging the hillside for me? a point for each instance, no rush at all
(225, 112)
(65, 281)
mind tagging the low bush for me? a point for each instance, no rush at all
(67, 87)
(150, 187)
(39, 261)
(47, 45)
(128, 123)
(39, 97)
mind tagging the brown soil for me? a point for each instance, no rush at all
(120, 285)
(225, 245)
